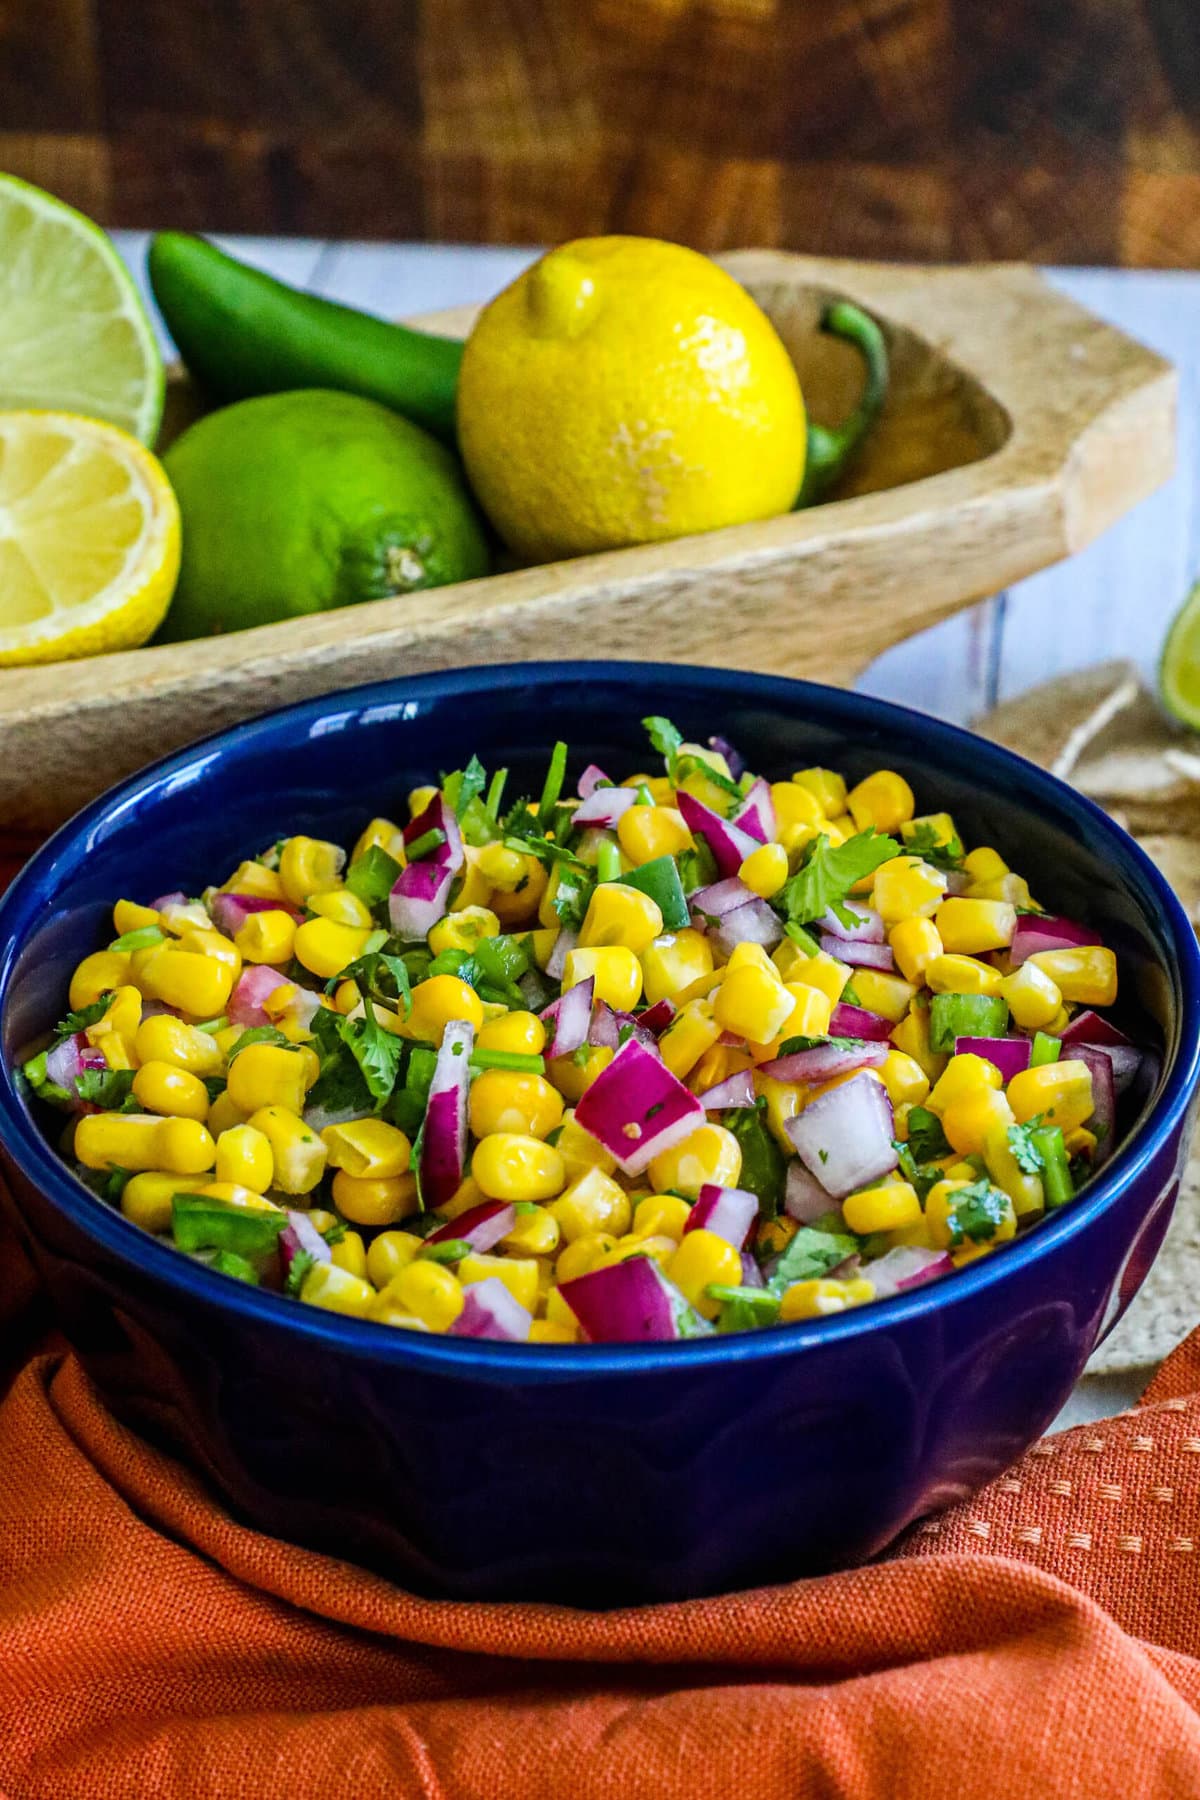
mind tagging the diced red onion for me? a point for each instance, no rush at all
(857, 1022)
(256, 983)
(568, 1019)
(178, 898)
(804, 1199)
(303, 1006)
(1093, 1028)
(535, 989)
(419, 898)
(729, 1212)
(824, 1061)
(631, 1303)
(636, 1108)
(301, 1237)
(859, 956)
(734, 760)
(229, 912)
(907, 1266)
(656, 1018)
(564, 943)
(444, 1133)
(609, 1027)
(491, 1311)
(867, 930)
(590, 780)
(1104, 1098)
(754, 923)
(604, 807)
(438, 816)
(752, 1275)
(158, 1009)
(957, 882)
(482, 1226)
(1009, 1054)
(1037, 932)
(735, 1091)
(756, 814)
(844, 1137)
(68, 1061)
(718, 900)
(317, 1118)
(730, 845)
(180, 913)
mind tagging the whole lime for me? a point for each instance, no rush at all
(295, 503)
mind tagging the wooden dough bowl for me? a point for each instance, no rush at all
(1018, 427)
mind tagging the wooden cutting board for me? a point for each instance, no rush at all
(1018, 427)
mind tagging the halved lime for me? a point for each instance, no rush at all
(74, 335)
(1179, 670)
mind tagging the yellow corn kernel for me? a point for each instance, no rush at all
(940, 824)
(418, 799)
(661, 1215)
(519, 1275)
(592, 1251)
(160, 1087)
(1033, 1000)
(519, 1031)
(968, 1120)
(502, 1100)
(143, 1141)
(827, 786)
(785, 1100)
(708, 1154)
(471, 887)
(888, 995)
(765, 869)
(381, 834)
(907, 888)
(342, 907)
(335, 1290)
(545, 1331)
(98, 974)
(350, 1253)
(164, 1039)
(227, 1038)
(244, 1156)
(1061, 1092)
(1084, 977)
(811, 1011)
(580, 1151)
(961, 975)
(233, 1194)
(620, 915)
(945, 1228)
(915, 944)
(368, 1148)
(535, 1233)
(1025, 1191)
(985, 864)
(887, 1208)
(254, 878)
(970, 927)
(917, 1234)
(129, 916)
(693, 1031)
(267, 1075)
(905, 1080)
(326, 948)
(298, 1153)
(556, 1309)
(753, 1004)
(117, 1029)
(1080, 1142)
(518, 905)
(503, 868)
(1013, 889)
(146, 1198)
(463, 929)
(647, 832)
(701, 1258)
(267, 937)
(388, 1253)
(573, 1079)
(429, 1291)
(673, 961)
(593, 1203)
(813, 1300)
(223, 1115)
(199, 985)
(206, 940)
(883, 800)
(513, 1166)
(657, 786)
(912, 1036)
(750, 956)
(965, 1074)
(438, 1001)
(309, 866)
(615, 969)
(823, 972)
(796, 806)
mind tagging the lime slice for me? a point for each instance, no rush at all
(1179, 670)
(74, 335)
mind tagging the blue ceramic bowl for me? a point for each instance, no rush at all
(604, 1475)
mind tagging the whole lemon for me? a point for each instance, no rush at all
(624, 390)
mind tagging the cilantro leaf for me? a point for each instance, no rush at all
(373, 876)
(1026, 1155)
(260, 1034)
(764, 1166)
(341, 1084)
(85, 1016)
(376, 1051)
(829, 872)
(926, 1139)
(791, 1046)
(571, 897)
(977, 1212)
(666, 739)
(366, 972)
(464, 785)
(923, 841)
(298, 1268)
(809, 1254)
(111, 1089)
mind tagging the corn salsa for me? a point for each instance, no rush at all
(676, 1052)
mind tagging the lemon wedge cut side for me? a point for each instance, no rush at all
(89, 539)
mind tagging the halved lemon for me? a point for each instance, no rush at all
(89, 538)
(1179, 669)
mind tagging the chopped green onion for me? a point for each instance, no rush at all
(140, 939)
(428, 840)
(552, 786)
(214, 1025)
(608, 861)
(1057, 1184)
(450, 1250)
(644, 796)
(496, 793)
(802, 938)
(519, 1061)
(660, 879)
(1046, 1049)
(965, 1015)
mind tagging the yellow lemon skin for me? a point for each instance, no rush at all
(624, 390)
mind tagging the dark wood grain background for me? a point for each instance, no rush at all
(1059, 130)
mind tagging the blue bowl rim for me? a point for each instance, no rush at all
(102, 1223)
